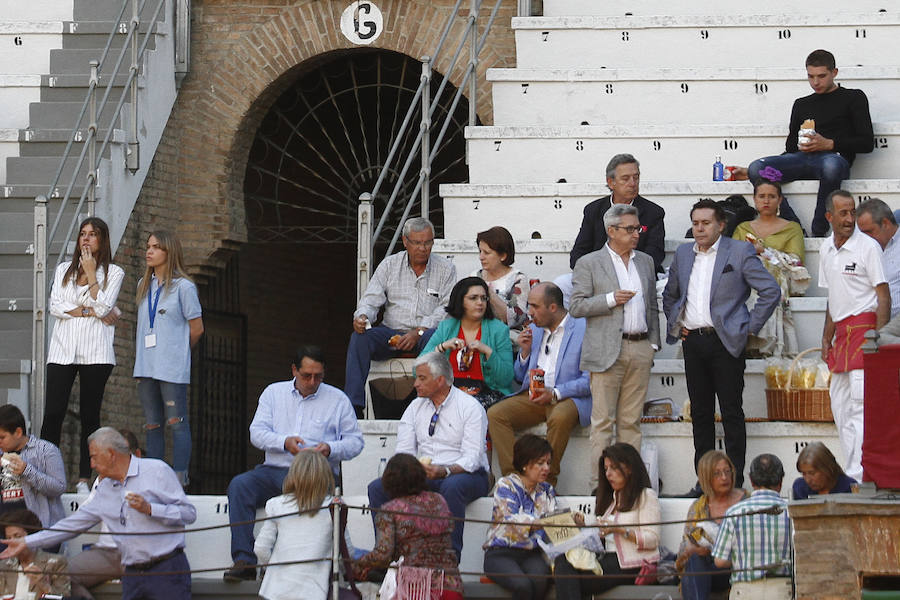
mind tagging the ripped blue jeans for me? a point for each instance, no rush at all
(166, 403)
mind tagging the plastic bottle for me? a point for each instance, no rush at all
(718, 169)
(381, 465)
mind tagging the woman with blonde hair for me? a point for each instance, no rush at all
(82, 299)
(169, 324)
(303, 532)
(716, 475)
(821, 474)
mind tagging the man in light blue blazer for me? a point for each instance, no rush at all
(705, 305)
(553, 343)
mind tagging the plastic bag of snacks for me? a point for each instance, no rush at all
(776, 372)
(804, 375)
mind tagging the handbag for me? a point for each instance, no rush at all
(647, 574)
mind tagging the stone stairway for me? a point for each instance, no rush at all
(594, 79)
(43, 82)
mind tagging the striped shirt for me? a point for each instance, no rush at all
(83, 340)
(409, 300)
(513, 504)
(755, 540)
(43, 480)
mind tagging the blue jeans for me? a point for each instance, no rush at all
(166, 402)
(698, 587)
(829, 168)
(369, 346)
(159, 587)
(458, 490)
(246, 493)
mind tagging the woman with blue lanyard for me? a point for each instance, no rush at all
(169, 324)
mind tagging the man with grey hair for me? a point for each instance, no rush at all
(446, 429)
(875, 218)
(757, 545)
(413, 287)
(134, 496)
(614, 288)
(623, 176)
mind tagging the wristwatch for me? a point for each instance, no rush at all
(555, 397)
(447, 472)
(420, 331)
(85, 312)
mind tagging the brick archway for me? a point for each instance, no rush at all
(223, 101)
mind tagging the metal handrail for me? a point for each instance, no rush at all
(44, 235)
(422, 144)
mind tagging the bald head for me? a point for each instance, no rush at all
(545, 305)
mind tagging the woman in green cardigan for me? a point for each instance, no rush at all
(476, 343)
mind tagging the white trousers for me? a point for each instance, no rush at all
(847, 405)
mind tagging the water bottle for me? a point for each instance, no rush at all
(718, 170)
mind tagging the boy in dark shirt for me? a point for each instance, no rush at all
(843, 128)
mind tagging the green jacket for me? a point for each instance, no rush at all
(498, 369)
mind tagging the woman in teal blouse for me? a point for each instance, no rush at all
(476, 343)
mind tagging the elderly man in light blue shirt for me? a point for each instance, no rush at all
(875, 219)
(135, 495)
(302, 414)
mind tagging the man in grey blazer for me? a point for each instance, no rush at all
(705, 305)
(614, 288)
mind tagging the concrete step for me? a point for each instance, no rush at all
(16, 93)
(693, 95)
(674, 442)
(667, 152)
(712, 40)
(45, 10)
(63, 115)
(14, 378)
(470, 208)
(563, 8)
(41, 169)
(105, 10)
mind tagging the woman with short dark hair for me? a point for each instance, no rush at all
(512, 552)
(476, 343)
(508, 287)
(411, 525)
(628, 511)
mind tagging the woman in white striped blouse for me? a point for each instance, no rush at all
(82, 299)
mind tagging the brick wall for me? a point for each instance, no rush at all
(244, 54)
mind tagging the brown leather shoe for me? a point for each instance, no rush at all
(240, 571)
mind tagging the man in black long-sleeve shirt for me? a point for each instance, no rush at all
(623, 177)
(843, 128)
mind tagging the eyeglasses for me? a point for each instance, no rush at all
(122, 512)
(630, 229)
(476, 298)
(420, 244)
(433, 424)
(723, 473)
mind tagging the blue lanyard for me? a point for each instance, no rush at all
(152, 305)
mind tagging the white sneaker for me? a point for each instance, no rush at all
(82, 488)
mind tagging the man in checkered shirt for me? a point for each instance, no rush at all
(758, 546)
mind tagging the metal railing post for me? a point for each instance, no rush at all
(425, 174)
(336, 547)
(132, 154)
(39, 313)
(363, 243)
(92, 139)
(524, 8)
(473, 60)
(182, 40)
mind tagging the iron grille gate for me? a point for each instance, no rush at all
(219, 403)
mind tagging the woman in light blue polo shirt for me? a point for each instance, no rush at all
(169, 324)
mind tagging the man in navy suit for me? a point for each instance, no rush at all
(553, 343)
(623, 178)
(705, 305)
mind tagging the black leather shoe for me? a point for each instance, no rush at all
(240, 571)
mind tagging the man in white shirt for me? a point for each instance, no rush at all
(875, 218)
(858, 300)
(614, 288)
(705, 305)
(551, 343)
(446, 429)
